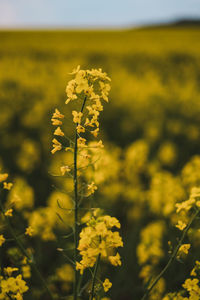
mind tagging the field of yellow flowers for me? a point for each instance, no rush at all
(146, 177)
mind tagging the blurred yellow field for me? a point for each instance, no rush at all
(148, 169)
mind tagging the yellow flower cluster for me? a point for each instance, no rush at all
(65, 273)
(107, 284)
(43, 220)
(12, 287)
(97, 238)
(84, 81)
(165, 191)
(183, 250)
(191, 287)
(150, 248)
(149, 253)
(91, 86)
(184, 207)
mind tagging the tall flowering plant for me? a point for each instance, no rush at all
(97, 239)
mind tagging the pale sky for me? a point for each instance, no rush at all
(93, 13)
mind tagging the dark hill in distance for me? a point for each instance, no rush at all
(193, 23)
(186, 22)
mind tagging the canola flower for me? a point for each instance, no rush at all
(90, 86)
(97, 238)
(182, 250)
(29, 231)
(12, 287)
(191, 287)
(9, 213)
(107, 285)
(2, 239)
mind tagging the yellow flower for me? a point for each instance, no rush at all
(91, 188)
(184, 249)
(56, 122)
(64, 169)
(7, 185)
(18, 296)
(57, 115)
(195, 269)
(105, 88)
(9, 212)
(92, 111)
(191, 285)
(56, 146)
(97, 238)
(80, 267)
(3, 177)
(29, 231)
(77, 116)
(181, 225)
(101, 229)
(95, 132)
(107, 284)
(111, 221)
(10, 270)
(26, 271)
(70, 90)
(59, 132)
(81, 142)
(81, 81)
(185, 205)
(80, 129)
(21, 284)
(2, 240)
(115, 260)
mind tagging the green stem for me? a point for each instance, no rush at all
(172, 258)
(94, 276)
(76, 209)
(25, 253)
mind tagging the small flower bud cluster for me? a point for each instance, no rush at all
(56, 121)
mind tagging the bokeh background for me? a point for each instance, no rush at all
(150, 127)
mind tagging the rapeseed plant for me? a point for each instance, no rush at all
(97, 240)
(188, 211)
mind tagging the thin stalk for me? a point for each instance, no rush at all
(75, 178)
(94, 276)
(25, 253)
(173, 256)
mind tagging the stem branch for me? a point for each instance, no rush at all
(94, 276)
(75, 178)
(173, 256)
